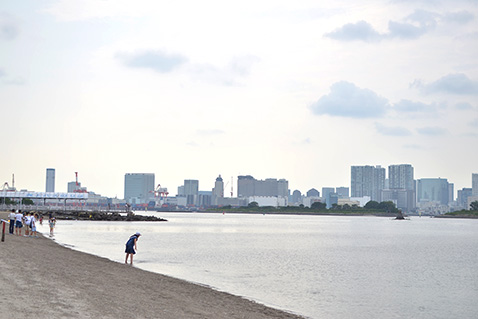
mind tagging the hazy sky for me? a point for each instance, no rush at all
(300, 90)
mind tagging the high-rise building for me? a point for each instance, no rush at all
(474, 184)
(326, 194)
(73, 187)
(50, 180)
(296, 197)
(433, 190)
(401, 177)
(451, 192)
(218, 190)
(342, 192)
(404, 199)
(139, 188)
(248, 186)
(191, 191)
(401, 187)
(191, 187)
(313, 193)
(367, 181)
(462, 197)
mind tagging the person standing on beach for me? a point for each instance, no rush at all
(18, 223)
(131, 247)
(33, 225)
(11, 227)
(26, 223)
(52, 222)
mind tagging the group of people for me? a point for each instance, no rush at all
(28, 222)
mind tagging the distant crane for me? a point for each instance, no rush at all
(232, 182)
(79, 189)
(160, 194)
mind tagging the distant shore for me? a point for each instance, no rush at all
(42, 279)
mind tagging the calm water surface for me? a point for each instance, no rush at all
(317, 266)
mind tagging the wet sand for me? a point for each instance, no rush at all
(41, 279)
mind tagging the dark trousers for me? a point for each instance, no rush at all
(12, 226)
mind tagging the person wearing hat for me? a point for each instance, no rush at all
(131, 247)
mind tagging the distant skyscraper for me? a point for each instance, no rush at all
(474, 184)
(72, 187)
(367, 181)
(248, 186)
(342, 192)
(191, 187)
(451, 192)
(433, 190)
(326, 194)
(191, 191)
(313, 193)
(138, 188)
(462, 197)
(50, 180)
(296, 197)
(401, 177)
(218, 189)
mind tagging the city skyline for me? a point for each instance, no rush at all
(190, 90)
(185, 186)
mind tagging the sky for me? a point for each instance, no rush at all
(300, 90)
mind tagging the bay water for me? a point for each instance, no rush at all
(315, 266)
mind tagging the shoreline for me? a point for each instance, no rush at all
(73, 284)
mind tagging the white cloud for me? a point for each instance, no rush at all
(155, 60)
(347, 100)
(392, 130)
(361, 31)
(412, 26)
(405, 30)
(463, 106)
(457, 83)
(9, 29)
(459, 17)
(407, 106)
(432, 131)
(229, 75)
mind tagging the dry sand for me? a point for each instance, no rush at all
(41, 279)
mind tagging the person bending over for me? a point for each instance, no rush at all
(131, 247)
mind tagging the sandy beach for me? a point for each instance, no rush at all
(41, 279)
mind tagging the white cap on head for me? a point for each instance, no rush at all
(138, 233)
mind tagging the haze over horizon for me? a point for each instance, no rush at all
(191, 90)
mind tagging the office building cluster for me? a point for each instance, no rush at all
(367, 183)
(425, 195)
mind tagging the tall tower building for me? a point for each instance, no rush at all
(218, 190)
(191, 187)
(138, 188)
(326, 194)
(474, 184)
(50, 180)
(191, 191)
(401, 177)
(367, 181)
(433, 190)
